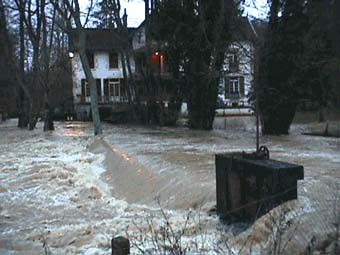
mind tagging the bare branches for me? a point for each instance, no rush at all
(88, 13)
(66, 15)
(73, 9)
(165, 236)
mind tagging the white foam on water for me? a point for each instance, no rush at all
(52, 186)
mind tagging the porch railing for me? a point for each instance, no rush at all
(102, 99)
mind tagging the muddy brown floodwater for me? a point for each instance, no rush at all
(183, 161)
(69, 193)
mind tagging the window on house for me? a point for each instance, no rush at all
(234, 87)
(99, 87)
(90, 58)
(233, 58)
(113, 59)
(85, 88)
(112, 87)
(233, 62)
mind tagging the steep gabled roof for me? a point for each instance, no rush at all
(260, 26)
(98, 39)
(242, 30)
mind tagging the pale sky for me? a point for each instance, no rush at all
(135, 9)
(256, 8)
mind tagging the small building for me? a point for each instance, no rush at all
(238, 69)
(103, 47)
(159, 66)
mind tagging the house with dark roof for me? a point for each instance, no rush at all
(103, 47)
(238, 69)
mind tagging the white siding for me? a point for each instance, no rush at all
(101, 71)
(245, 55)
(138, 40)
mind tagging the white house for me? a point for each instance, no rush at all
(102, 47)
(106, 66)
(238, 68)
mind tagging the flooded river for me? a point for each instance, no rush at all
(184, 160)
(69, 193)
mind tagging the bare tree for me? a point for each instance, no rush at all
(33, 18)
(18, 74)
(25, 100)
(46, 56)
(23, 120)
(111, 9)
(70, 10)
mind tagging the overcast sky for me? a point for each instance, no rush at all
(135, 9)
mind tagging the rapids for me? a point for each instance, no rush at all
(69, 193)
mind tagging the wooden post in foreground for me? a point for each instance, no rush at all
(120, 246)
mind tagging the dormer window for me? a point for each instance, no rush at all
(233, 62)
(90, 59)
(113, 59)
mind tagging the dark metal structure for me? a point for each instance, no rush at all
(249, 185)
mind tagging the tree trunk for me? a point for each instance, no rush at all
(277, 120)
(23, 100)
(93, 89)
(48, 116)
(81, 47)
(126, 82)
(132, 83)
(22, 109)
(48, 113)
(34, 110)
(202, 102)
(72, 10)
(34, 25)
(204, 66)
(322, 114)
(278, 84)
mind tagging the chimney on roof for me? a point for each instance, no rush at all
(125, 18)
(146, 8)
(150, 6)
